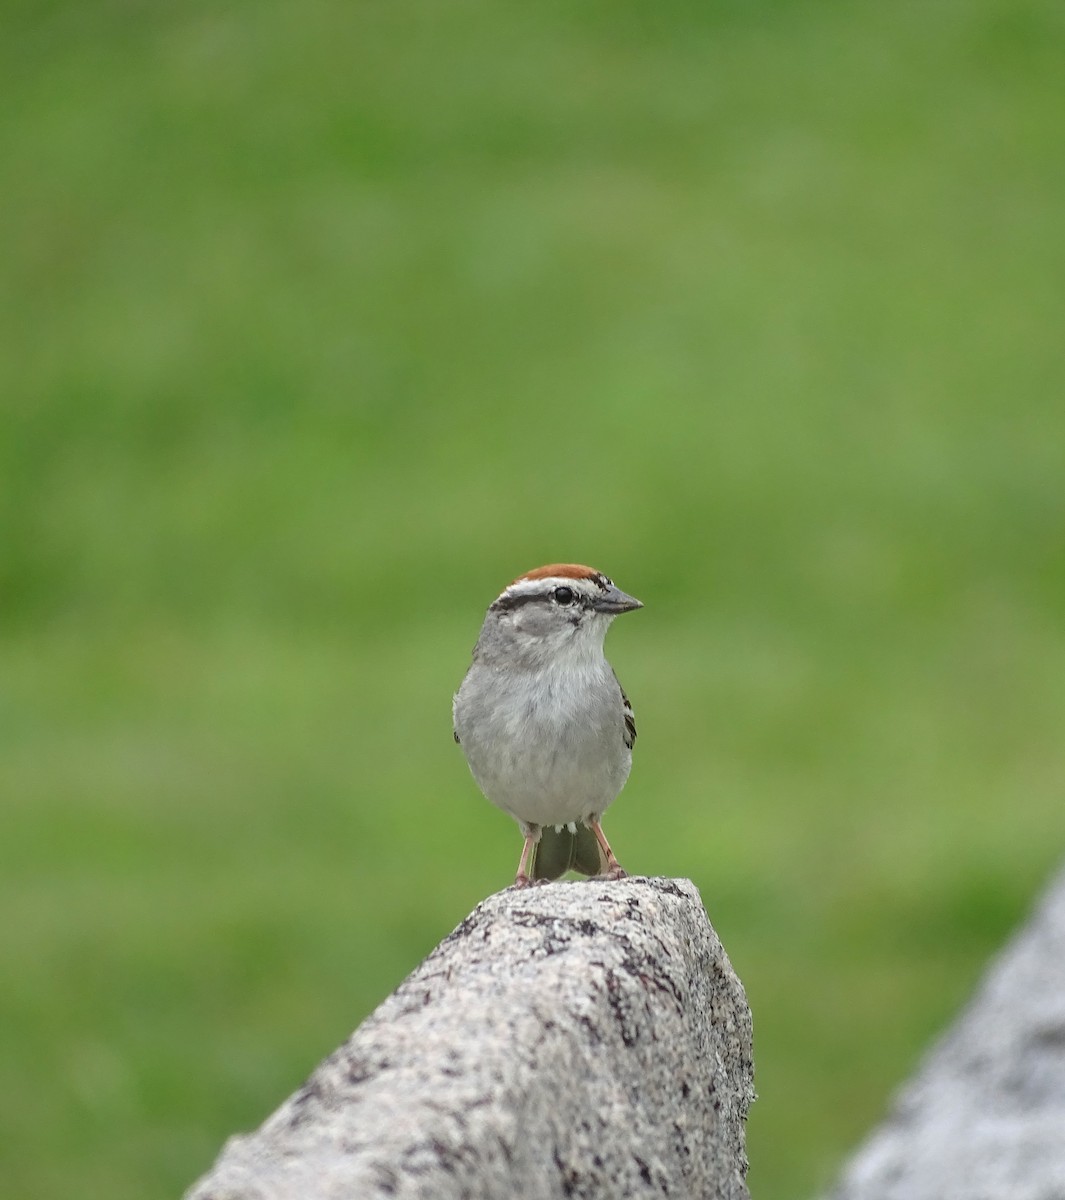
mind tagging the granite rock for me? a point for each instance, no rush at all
(573, 1040)
(984, 1119)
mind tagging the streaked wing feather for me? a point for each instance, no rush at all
(630, 717)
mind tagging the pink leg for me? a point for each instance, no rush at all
(522, 878)
(613, 869)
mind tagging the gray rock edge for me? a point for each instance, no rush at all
(575, 1040)
(984, 1118)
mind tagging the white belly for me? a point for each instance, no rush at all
(549, 755)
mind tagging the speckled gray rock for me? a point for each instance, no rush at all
(576, 1040)
(985, 1117)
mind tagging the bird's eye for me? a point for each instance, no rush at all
(563, 595)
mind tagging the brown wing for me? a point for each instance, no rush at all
(630, 718)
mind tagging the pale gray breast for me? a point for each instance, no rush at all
(546, 746)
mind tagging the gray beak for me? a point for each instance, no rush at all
(615, 601)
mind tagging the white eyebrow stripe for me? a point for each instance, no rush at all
(521, 591)
(589, 585)
(542, 587)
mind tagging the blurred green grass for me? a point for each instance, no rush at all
(320, 323)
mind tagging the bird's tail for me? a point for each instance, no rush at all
(559, 851)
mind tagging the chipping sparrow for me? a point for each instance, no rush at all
(544, 723)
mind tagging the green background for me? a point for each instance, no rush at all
(322, 321)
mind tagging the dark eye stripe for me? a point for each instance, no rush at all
(508, 603)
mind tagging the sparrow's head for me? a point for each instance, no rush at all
(557, 611)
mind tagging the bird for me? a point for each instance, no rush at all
(545, 726)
